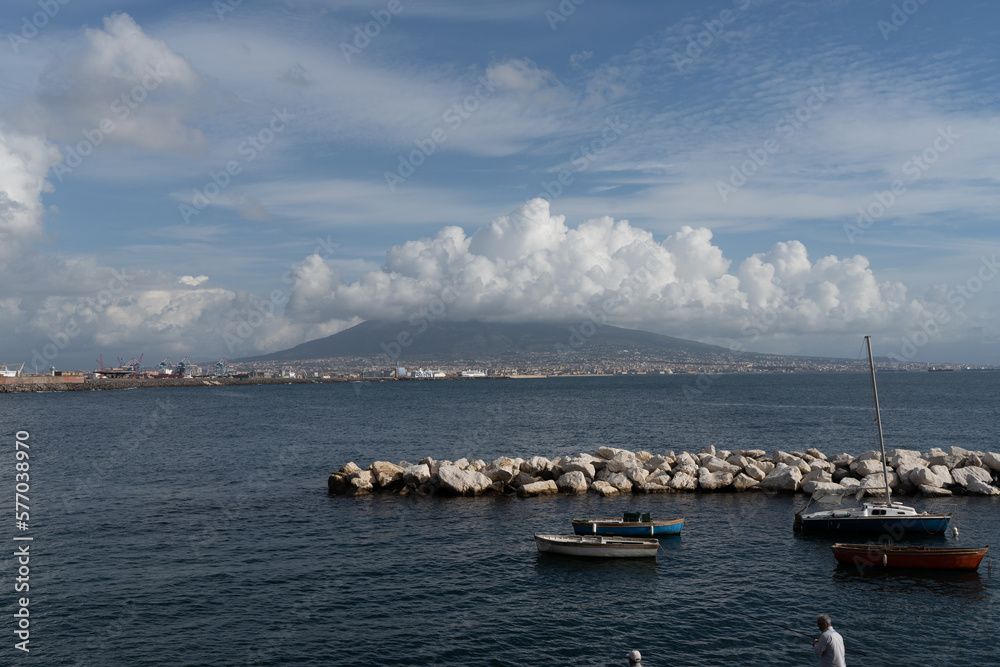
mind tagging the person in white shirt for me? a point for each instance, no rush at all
(830, 645)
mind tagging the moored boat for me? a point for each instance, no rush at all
(918, 558)
(875, 516)
(597, 546)
(631, 525)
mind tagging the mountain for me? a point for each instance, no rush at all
(493, 341)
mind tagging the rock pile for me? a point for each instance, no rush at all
(611, 471)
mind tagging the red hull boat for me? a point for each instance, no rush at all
(918, 558)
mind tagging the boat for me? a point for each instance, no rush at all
(597, 546)
(630, 525)
(876, 516)
(917, 558)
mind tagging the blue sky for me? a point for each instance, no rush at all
(227, 178)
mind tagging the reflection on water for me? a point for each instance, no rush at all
(962, 584)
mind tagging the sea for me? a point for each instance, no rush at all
(192, 526)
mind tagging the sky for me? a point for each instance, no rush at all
(227, 178)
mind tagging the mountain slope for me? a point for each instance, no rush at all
(389, 341)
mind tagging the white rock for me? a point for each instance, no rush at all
(868, 467)
(583, 467)
(784, 457)
(712, 481)
(656, 463)
(613, 452)
(754, 453)
(663, 479)
(682, 481)
(965, 476)
(766, 466)
(982, 488)
(416, 474)
(933, 491)
(718, 465)
(743, 482)
(615, 465)
(992, 461)
(685, 459)
(738, 460)
(816, 476)
(958, 451)
(924, 476)
(876, 481)
(708, 450)
(687, 469)
(815, 453)
(783, 478)
(944, 474)
(360, 485)
(870, 455)
(455, 480)
(754, 471)
(636, 474)
(349, 468)
(604, 489)
(572, 482)
(462, 463)
(830, 488)
(819, 464)
(546, 487)
(650, 487)
(620, 481)
(850, 483)
(386, 475)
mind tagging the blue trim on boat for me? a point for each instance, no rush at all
(913, 525)
(627, 529)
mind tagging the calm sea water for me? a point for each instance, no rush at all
(192, 527)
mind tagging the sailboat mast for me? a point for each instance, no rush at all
(878, 421)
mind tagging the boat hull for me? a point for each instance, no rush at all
(917, 558)
(925, 524)
(621, 528)
(597, 547)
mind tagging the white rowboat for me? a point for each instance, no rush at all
(597, 546)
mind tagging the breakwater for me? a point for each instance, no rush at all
(611, 471)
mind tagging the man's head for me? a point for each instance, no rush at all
(823, 621)
(634, 657)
